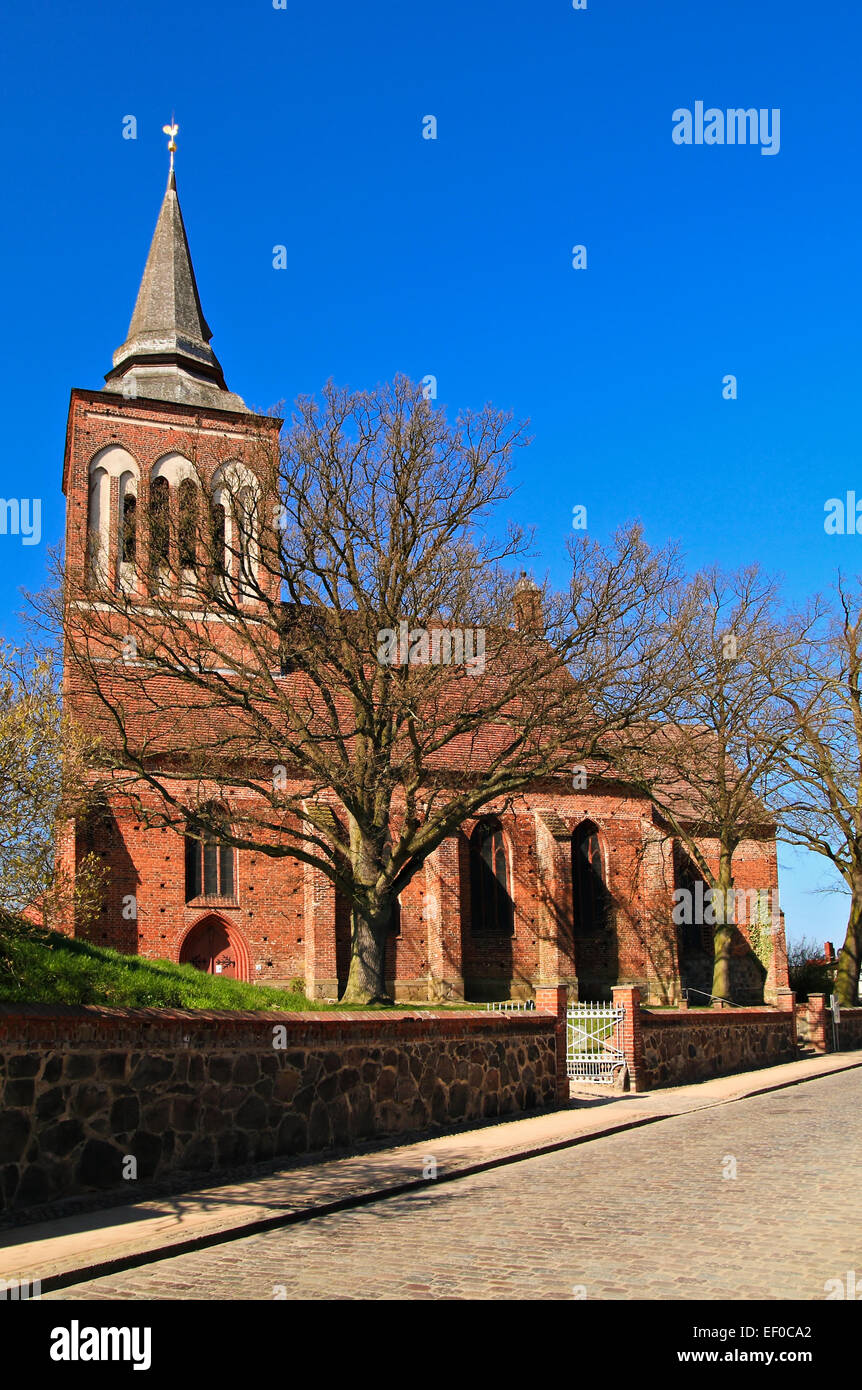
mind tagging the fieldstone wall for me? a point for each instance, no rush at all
(695, 1044)
(815, 1028)
(83, 1091)
(850, 1030)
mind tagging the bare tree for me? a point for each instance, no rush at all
(821, 785)
(709, 765)
(329, 650)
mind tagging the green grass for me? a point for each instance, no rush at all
(43, 967)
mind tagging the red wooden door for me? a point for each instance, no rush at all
(208, 947)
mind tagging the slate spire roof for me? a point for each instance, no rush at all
(167, 353)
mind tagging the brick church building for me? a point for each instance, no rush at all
(560, 885)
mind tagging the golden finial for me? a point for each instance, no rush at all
(171, 130)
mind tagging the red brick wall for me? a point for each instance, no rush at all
(294, 926)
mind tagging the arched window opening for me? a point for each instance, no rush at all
(245, 515)
(160, 523)
(218, 528)
(209, 866)
(695, 934)
(97, 526)
(491, 908)
(589, 890)
(128, 535)
(127, 530)
(188, 536)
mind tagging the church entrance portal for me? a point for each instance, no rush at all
(212, 948)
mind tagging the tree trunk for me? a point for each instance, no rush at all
(365, 979)
(847, 976)
(723, 931)
(369, 919)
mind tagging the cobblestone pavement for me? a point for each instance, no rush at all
(643, 1214)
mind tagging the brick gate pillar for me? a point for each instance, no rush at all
(785, 1000)
(554, 999)
(630, 998)
(819, 1024)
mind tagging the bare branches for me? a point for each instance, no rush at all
(330, 625)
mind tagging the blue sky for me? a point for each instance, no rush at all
(303, 126)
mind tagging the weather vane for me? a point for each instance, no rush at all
(171, 130)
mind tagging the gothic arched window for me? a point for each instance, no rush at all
(218, 527)
(97, 525)
(491, 906)
(160, 523)
(694, 935)
(209, 864)
(589, 890)
(129, 529)
(245, 516)
(188, 536)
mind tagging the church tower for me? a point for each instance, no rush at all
(164, 423)
(165, 469)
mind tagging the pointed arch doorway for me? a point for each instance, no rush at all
(216, 948)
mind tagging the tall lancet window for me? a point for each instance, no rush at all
(127, 530)
(492, 911)
(129, 534)
(589, 890)
(188, 538)
(218, 532)
(97, 526)
(160, 523)
(245, 516)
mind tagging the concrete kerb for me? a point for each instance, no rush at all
(45, 1259)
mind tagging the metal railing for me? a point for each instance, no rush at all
(714, 998)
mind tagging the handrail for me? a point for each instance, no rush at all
(716, 998)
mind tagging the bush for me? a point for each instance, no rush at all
(807, 977)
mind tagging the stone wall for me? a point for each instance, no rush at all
(694, 1044)
(83, 1090)
(815, 1029)
(850, 1030)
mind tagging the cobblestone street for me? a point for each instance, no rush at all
(642, 1214)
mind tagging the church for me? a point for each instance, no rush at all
(563, 884)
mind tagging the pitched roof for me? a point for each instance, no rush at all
(167, 353)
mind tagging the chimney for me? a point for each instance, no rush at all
(828, 951)
(528, 604)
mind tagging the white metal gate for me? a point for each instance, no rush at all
(594, 1042)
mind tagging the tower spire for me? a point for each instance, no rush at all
(171, 131)
(167, 353)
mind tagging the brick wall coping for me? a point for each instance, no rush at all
(719, 1017)
(57, 1024)
(854, 1012)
